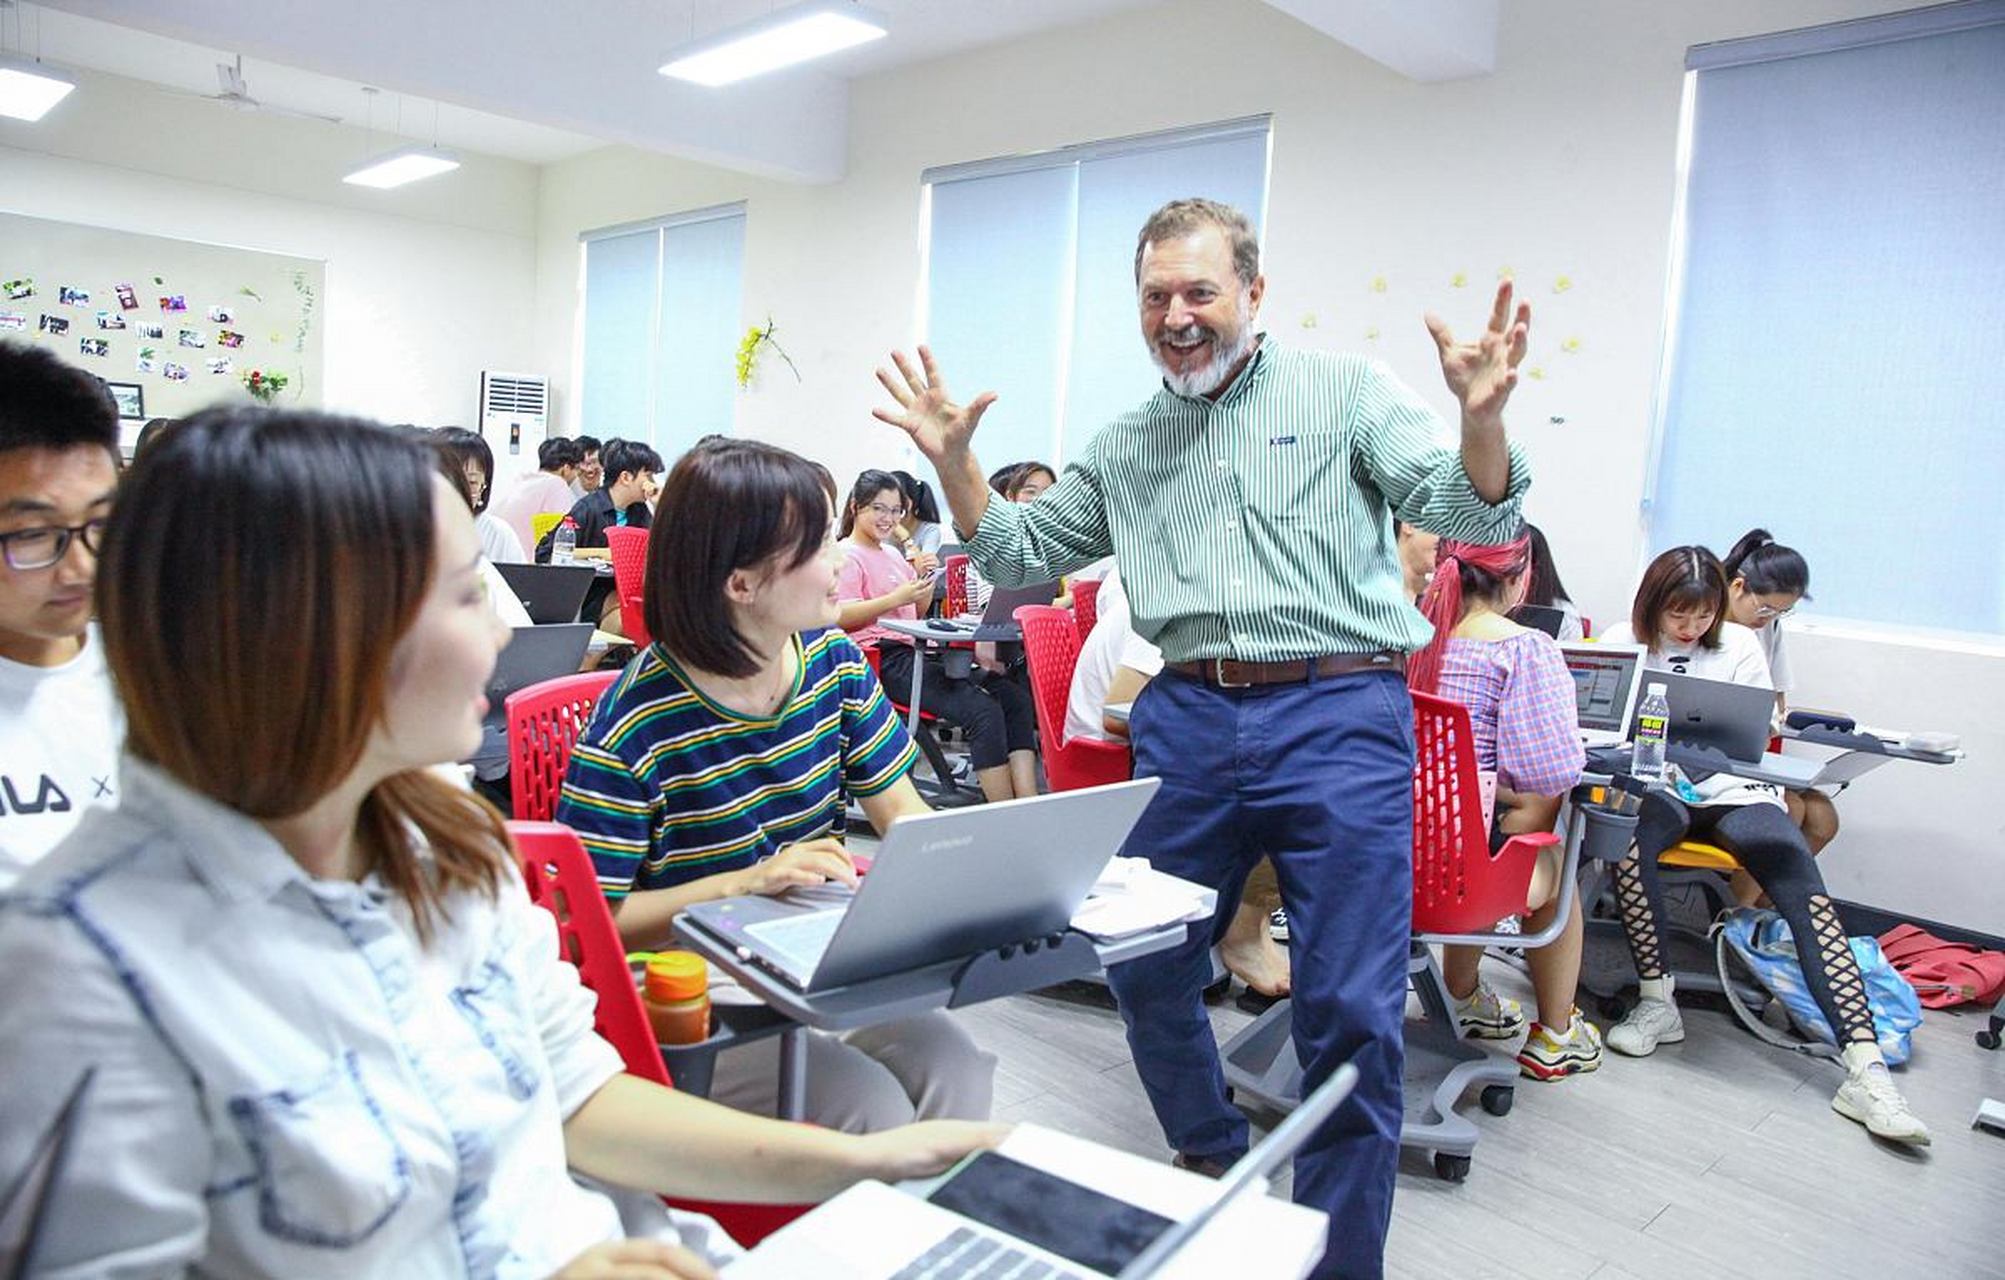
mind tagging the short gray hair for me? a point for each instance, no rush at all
(1182, 217)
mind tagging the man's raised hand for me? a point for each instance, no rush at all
(940, 428)
(1482, 373)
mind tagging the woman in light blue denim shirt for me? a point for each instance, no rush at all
(331, 1035)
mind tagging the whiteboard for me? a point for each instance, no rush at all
(132, 308)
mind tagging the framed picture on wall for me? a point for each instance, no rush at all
(131, 398)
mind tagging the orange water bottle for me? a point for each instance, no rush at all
(676, 992)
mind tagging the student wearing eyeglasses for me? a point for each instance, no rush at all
(60, 723)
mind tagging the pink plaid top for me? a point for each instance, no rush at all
(1521, 706)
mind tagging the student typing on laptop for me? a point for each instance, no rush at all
(1680, 615)
(721, 762)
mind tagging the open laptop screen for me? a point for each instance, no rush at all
(1602, 682)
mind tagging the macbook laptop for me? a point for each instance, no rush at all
(1605, 680)
(1540, 618)
(942, 886)
(552, 593)
(533, 655)
(995, 1216)
(1735, 720)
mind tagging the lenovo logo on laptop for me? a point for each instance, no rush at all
(959, 842)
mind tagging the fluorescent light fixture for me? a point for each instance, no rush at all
(797, 33)
(28, 88)
(405, 164)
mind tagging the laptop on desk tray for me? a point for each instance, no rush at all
(1735, 720)
(552, 593)
(1605, 680)
(998, 620)
(942, 886)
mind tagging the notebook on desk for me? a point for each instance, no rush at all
(1605, 679)
(1110, 1214)
(943, 885)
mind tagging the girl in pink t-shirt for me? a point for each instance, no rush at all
(878, 582)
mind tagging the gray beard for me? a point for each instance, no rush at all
(1209, 377)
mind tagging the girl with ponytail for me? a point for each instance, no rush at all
(1520, 698)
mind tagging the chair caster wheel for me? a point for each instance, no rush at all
(1451, 1168)
(1988, 1039)
(1497, 1099)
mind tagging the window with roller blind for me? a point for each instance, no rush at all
(1030, 284)
(661, 328)
(1837, 292)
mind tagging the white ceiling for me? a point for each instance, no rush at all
(537, 82)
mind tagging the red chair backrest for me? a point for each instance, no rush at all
(956, 603)
(629, 549)
(1086, 605)
(1051, 644)
(559, 876)
(1459, 886)
(544, 721)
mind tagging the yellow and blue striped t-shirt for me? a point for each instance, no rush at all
(666, 786)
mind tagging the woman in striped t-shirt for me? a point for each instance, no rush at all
(722, 760)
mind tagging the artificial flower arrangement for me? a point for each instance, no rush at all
(748, 352)
(264, 384)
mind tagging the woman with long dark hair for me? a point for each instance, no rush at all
(330, 1033)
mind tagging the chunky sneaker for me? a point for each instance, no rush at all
(1555, 1057)
(1489, 1016)
(1649, 1024)
(1869, 1096)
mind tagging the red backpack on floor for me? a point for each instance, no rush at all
(1944, 973)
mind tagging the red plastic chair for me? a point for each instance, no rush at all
(558, 874)
(1051, 643)
(1086, 605)
(1459, 886)
(957, 587)
(629, 548)
(544, 721)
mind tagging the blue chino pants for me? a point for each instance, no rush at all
(1318, 777)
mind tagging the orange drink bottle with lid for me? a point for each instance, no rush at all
(676, 992)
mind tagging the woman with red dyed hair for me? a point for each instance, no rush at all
(1520, 698)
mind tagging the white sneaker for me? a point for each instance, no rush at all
(1649, 1024)
(1869, 1096)
(1489, 1016)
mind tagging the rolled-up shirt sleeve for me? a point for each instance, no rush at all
(1410, 455)
(560, 1005)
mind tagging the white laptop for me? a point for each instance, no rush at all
(1110, 1214)
(942, 886)
(1605, 680)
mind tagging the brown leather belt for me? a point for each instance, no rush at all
(1225, 673)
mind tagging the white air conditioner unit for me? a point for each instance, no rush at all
(514, 420)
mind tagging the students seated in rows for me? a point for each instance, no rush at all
(546, 492)
(331, 1034)
(1544, 589)
(60, 723)
(1680, 614)
(878, 583)
(1765, 583)
(497, 540)
(1114, 666)
(1520, 698)
(722, 760)
(622, 501)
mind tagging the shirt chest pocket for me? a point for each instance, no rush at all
(1291, 477)
(493, 1013)
(329, 1169)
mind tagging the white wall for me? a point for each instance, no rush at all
(1559, 165)
(425, 287)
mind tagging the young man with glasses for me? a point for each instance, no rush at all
(60, 723)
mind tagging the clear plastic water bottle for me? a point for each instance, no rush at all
(564, 542)
(1653, 722)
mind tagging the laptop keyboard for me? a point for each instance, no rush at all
(799, 940)
(973, 1256)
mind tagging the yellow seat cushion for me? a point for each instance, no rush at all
(1697, 856)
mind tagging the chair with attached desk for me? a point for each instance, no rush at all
(1460, 891)
(558, 875)
(1051, 644)
(628, 547)
(544, 722)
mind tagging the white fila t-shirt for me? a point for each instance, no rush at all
(61, 731)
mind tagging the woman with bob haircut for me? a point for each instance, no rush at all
(722, 761)
(330, 1033)
(1680, 616)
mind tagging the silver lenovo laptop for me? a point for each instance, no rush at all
(942, 886)
(1605, 680)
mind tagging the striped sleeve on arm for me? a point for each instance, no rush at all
(613, 814)
(1016, 545)
(1416, 462)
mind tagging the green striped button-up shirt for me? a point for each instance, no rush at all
(1258, 526)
